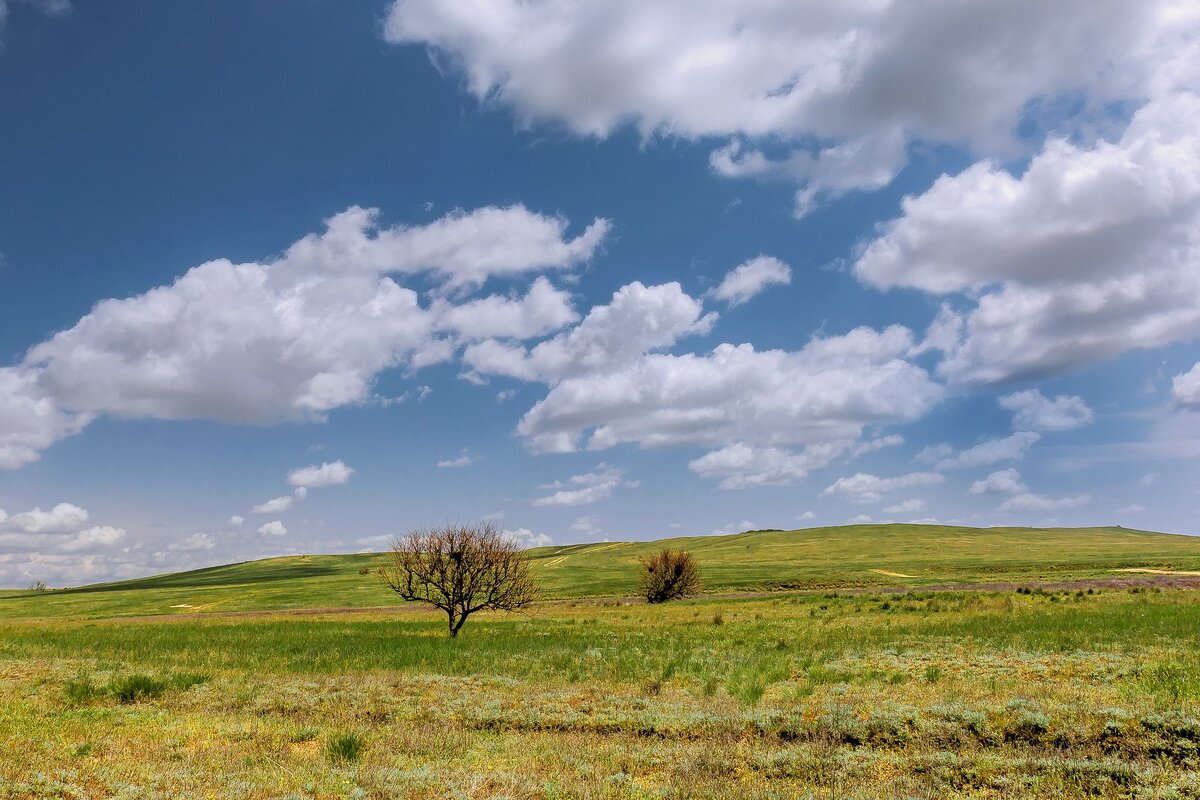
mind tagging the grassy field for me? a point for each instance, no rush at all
(855, 556)
(1021, 693)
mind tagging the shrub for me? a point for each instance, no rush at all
(344, 748)
(133, 688)
(1029, 726)
(669, 575)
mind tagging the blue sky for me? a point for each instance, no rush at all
(589, 269)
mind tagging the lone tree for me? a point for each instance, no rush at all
(668, 575)
(461, 570)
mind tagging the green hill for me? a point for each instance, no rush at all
(840, 557)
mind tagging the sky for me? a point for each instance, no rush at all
(296, 276)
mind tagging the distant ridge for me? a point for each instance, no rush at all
(839, 557)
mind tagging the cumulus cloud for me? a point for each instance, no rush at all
(525, 538)
(293, 338)
(274, 505)
(906, 507)
(807, 515)
(464, 460)
(842, 87)
(578, 490)
(740, 465)
(1005, 481)
(1093, 251)
(1132, 508)
(825, 393)
(878, 443)
(991, 451)
(332, 473)
(588, 526)
(750, 278)
(236, 521)
(30, 419)
(864, 487)
(96, 537)
(62, 518)
(1033, 411)
(1185, 389)
(273, 528)
(638, 319)
(1036, 502)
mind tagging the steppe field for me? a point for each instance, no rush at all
(888, 661)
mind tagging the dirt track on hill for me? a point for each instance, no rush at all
(1144, 581)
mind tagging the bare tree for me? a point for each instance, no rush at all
(460, 569)
(668, 575)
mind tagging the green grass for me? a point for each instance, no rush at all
(814, 558)
(920, 694)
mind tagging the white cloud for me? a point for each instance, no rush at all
(750, 278)
(1185, 389)
(1092, 252)
(1005, 481)
(878, 443)
(30, 420)
(236, 521)
(578, 490)
(588, 526)
(461, 248)
(1035, 502)
(825, 393)
(860, 519)
(1033, 411)
(195, 542)
(1133, 508)
(274, 505)
(273, 528)
(864, 487)
(844, 85)
(542, 310)
(63, 518)
(906, 507)
(740, 465)
(992, 451)
(464, 460)
(638, 319)
(330, 473)
(96, 537)
(526, 538)
(807, 515)
(293, 338)
(1149, 479)
(731, 528)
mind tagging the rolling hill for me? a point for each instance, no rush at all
(853, 556)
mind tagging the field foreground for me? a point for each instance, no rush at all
(1021, 694)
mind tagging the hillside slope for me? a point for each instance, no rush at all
(839, 557)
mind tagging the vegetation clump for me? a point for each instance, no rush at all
(345, 748)
(669, 575)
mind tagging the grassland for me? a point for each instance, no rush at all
(1027, 693)
(855, 556)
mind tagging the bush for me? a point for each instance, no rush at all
(344, 748)
(133, 688)
(669, 575)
